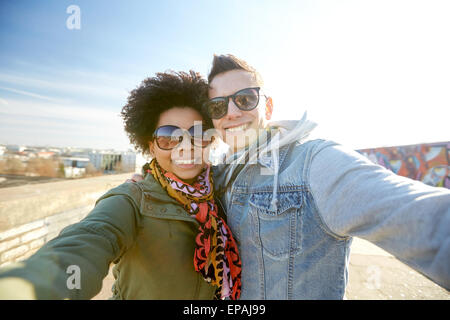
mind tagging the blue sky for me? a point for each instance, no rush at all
(370, 73)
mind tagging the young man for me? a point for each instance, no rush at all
(295, 208)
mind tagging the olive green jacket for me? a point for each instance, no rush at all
(137, 226)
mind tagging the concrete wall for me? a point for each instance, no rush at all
(31, 215)
(427, 162)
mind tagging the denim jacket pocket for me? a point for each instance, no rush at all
(278, 230)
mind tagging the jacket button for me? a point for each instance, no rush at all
(163, 210)
(149, 207)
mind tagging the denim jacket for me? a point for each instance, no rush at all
(327, 194)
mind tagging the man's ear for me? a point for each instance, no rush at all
(269, 108)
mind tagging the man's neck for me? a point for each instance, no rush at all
(262, 139)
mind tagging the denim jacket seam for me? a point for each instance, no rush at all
(294, 236)
(345, 274)
(269, 190)
(324, 226)
(260, 262)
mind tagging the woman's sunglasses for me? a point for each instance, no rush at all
(169, 137)
(246, 99)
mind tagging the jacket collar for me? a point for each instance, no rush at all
(267, 161)
(157, 203)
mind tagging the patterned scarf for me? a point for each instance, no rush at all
(216, 254)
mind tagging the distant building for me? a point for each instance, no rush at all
(140, 161)
(72, 172)
(56, 151)
(74, 167)
(14, 148)
(110, 161)
(45, 154)
(75, 162)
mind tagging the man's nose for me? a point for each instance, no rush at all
(233, 110)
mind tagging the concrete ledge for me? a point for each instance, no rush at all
(32, 215)
(24, 204)
(19, 243)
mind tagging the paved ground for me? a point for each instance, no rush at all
(374, 274)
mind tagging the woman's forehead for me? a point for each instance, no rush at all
(183, 117)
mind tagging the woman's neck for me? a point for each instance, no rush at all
(188, 181)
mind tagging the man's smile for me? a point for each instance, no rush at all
(238, 127)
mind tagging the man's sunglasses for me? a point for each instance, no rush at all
(246, 99)
(169, 137)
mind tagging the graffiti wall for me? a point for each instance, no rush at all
(429, 163)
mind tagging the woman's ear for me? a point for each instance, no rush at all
(151, 148)
(269, 108)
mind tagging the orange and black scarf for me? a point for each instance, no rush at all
(216, 254)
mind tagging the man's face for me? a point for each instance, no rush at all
(238, 128)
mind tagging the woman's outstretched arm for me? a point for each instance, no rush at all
(73, 265)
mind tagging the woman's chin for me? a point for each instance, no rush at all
(186, 166)
(187, 172)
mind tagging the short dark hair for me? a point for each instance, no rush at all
(227, 62)
(158, 94)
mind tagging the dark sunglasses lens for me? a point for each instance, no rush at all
(167, 143)
(217, 108)
(200, 142)
(247, 99)
(199, 138)
(167, 138)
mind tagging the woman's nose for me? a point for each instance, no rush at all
(184, 146)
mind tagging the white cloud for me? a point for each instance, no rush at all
(61, 111)
(30, 128)
(67, 86)
(33, 95)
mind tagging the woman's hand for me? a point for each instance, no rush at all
(135, 178)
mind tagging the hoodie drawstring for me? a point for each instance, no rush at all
(274, 202)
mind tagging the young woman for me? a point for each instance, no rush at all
(164, 233)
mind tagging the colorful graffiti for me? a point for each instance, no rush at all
(429, 163)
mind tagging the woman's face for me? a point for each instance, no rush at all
(186, 161)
